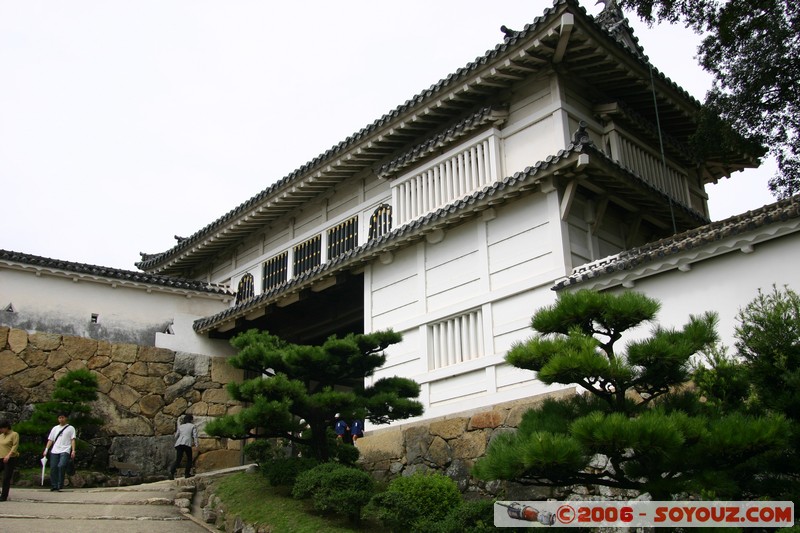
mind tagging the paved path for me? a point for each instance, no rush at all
(147, 508)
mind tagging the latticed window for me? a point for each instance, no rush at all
(456, 340)
(307, 255)
(380, 222)
(275, 271)
(343, 238)
(246, 288)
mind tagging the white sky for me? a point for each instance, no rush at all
(124, 123)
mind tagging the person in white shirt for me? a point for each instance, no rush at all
(185, 440)
(62, 441)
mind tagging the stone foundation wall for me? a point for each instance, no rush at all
(142, 392)
(451, 446)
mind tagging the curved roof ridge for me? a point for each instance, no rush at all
(149, 259)
(781, 210)
(112, 273)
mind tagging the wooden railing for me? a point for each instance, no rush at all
(648, 165)
(443, 182)
(456, 340)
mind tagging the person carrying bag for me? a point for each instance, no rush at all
(61, 446)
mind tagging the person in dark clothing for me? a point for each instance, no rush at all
(185, 441)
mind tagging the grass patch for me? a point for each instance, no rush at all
(251, 497)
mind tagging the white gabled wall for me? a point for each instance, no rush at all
(124, 312)
(724, 283)
(462, 297)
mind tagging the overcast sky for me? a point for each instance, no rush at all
(124, 123)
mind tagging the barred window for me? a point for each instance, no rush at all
(343, 238)
(246, 289)
(275, 270)
(307, 255)
(381, 221)
(456, 340)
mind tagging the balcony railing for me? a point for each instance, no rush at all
(648, 165)
(447, 180)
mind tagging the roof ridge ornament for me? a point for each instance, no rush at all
(581, 136)
(613, 20)
(508, 32)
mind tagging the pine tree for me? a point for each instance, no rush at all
(299, 388)
(752, 51)
(72, 394)
(637, 427)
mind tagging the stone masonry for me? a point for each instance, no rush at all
(142, 393)
(451, 446)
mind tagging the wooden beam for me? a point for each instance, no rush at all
(567, 23)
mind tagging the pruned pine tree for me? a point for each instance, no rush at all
(300, 388)
(73, 394)
(637, 427)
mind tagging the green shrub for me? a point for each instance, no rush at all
(311, 480)
(470, 517)
(335, 488)
(283, 471)
(423, 498)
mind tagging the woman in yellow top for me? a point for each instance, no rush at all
(9, 442)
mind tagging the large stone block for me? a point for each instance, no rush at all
(34, 356)
(178, 389)
(383, 446)
(17, 340)
(45, 341)
(76, 364)
(487, 419)
(124, 395)
(32, 377)
(3, 337)
(14, 390)
(146, 384)
(222, 372)
(218, 459)
(116, 372)
(216, 409)
(198, 409)
(58, 359)
(103, 349)
(158, 370)
(164, 424)
(103, 383)
(439, 452)
(218, 396)
(151, 354)
(150, 405)
(153, 454)
(139, 368)
(191, 364)
(10, 363)
(176, 407)
(124, 353)
(79, 347)
(471, 445)
(449, 428)
(119, 422)
(98, 361)
(417, 439)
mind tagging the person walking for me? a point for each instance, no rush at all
(9, 442)
(185, 440)
(62, 442)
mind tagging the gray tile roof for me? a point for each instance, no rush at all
(151, 261)
(452, 214)
(112, 273)
(780, 211)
